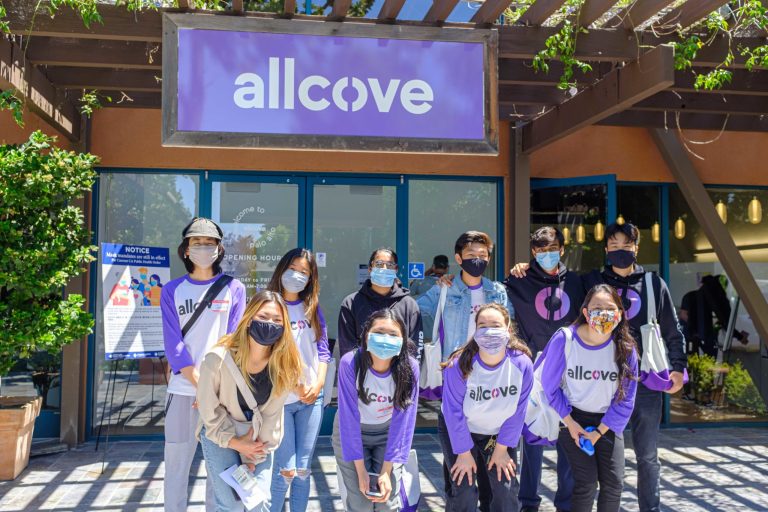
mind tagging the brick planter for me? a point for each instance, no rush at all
(17, 421)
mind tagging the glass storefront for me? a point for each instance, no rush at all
(343, 219)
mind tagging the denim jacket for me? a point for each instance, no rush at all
(458, 308)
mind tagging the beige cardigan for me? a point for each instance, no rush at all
(218, 405)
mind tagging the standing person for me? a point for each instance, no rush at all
(438, 269)
(244, 381)
(373, 429)
(382, 290)
(486, 388)
(628, 278)
(197, 309)
(545, 300)
(297, 281)
(590, 379)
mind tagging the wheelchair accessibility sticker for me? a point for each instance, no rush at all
(415, 270)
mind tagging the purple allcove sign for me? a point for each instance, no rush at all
(261, 86)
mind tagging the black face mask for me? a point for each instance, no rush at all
(622, 258)
(474, 267)
(265, 333)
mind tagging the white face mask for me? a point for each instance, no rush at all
(294, 281)
(204, 256)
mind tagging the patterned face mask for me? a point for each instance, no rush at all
(604, 321)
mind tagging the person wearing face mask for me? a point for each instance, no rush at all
(373, 429)
(589, 376)
(486, 384)
(383, 290)
(296, 280)
(155, 290)
(419, 287)
(244, 381)
(545, 300)
(197, 309)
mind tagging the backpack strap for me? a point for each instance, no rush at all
(208, 298)
(240, 381)
(651, 298)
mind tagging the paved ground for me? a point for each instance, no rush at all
(704, 470)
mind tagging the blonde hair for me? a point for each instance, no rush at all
(284, 366)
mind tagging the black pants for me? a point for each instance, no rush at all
(605, 467)
(500, 496)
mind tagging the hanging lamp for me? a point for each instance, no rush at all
(679, 228)
(755, 211)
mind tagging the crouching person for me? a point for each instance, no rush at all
(244, 381)
(373, 429)
(486, 384)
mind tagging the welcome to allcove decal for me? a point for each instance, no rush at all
(273, 83)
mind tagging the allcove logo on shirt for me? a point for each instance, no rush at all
(580, 373)
(481, 394)
(301, 324)
(188, 307)
(375, 397)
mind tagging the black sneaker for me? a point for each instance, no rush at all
(529, 509)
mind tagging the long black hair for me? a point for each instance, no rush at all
(466, 353)
(402, 373)
(309, 295)
(625, 343)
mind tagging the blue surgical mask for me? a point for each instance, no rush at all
(294, 281)
(384, 277)
(384, 346)
(548, 260)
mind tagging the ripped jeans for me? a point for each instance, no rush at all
(293, 458)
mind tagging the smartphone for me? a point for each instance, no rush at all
(373, 486)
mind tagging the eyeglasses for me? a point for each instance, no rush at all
(385, 264)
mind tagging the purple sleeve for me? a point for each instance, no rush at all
(509, 433)
(323, 353)
(238, 305)
(552, 375)
(618, 414)
(403, 424)
(454, 389)
(175, 350)
(349, 414)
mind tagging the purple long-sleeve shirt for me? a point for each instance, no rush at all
(490, 401)
(355, 416)
(587, 378)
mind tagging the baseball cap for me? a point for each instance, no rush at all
(201, 226)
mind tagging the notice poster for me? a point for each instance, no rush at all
(132, 280)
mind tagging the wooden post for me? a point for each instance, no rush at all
(520, 195)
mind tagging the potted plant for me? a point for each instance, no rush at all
(45, 244)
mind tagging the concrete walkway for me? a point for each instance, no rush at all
(704, 470)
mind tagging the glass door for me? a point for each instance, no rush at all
(581, 208)
(260, 217)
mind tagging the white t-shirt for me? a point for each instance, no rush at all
(304, 336)
(591, 376)
(492, 395)
(380, 389)
(478, 299)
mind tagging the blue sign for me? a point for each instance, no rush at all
(134, 255)
(415, 270)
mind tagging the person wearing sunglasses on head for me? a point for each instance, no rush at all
(382, 290)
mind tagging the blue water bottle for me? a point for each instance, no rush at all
(586, 444)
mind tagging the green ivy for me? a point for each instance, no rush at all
(562, 46)
(5, 27)
(9, 101)
(90, 101)
(45, 244)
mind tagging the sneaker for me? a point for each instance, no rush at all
(529, 509)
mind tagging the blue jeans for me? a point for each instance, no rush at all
(644, 423)
(301, 425)
(217, 459)
(530, 477)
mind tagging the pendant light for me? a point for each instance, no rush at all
(755, 211)
(566, 236)
(581, 234)
(679, 228)
(656, 232)
(599, 231)
(620, 220)
(722, 211)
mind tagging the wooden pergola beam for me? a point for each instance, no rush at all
(687, 121)
(618, 90)
(682, 169)
(440, 11)
(390, 10)
(539, 11)
(340, 9)
(39, 94)
(238, 6)
(742, 82)
(637, 13)
(489, 11)
(94, 53)
(593, 9)
(127, 99)
(530, 95)
(689, 13)
(105, 79)
(705, 103)
(289, 7)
